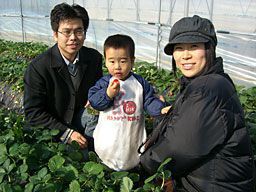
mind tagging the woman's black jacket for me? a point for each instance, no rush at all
(206, 137)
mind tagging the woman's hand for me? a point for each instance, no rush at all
(165, 109)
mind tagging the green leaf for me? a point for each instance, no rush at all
(118, 175)
(55, 163)
(148, 187)
(24, 149)
(46, 178)
(74, 186)
(161, 167)
(54, 132)
(61, 147)
(109, 190)
(42, 173)
(101, 175)
(68, 173)
(14, 150)
(3, 150)
(126, 185)
(76, 155)
(151, 178)
(29, 187)
(71, 171)
(17, 188)
(135, 177)
(8, 166)
(51, 187)
(11, 167)
(5, 187)
(2, 174)
(23, 168)
(167, 173)
(3, 159)
(45, 136)
(93, 168)
(24, 176)
(93, 156)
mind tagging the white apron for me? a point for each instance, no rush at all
(121, 128)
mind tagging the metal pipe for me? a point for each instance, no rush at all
(108, 16)
(137, 10)
(211, 9)
(22, 22)
(158, 35)
(171, 7)
(235, 33)
(186, 9)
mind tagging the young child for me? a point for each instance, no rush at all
(121, 97)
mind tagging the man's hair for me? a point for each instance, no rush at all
(64, 11)
(120, 41)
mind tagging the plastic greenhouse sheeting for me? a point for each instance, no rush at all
(148, 22)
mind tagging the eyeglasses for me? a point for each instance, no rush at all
(68, 33)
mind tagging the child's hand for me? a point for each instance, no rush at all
(165, 109)
(87, 104)
(161, 97)
(113, 88)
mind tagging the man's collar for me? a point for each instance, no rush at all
(67, 61)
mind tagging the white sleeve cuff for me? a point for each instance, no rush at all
(66, 135)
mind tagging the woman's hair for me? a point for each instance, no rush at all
(64, 11)
(120, 41)
(210, 55)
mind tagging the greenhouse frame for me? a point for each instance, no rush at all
(148, 22)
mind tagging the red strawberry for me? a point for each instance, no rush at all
(116, 81)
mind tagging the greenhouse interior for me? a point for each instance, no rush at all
(32, 160)
(148, 22)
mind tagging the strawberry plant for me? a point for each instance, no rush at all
(31, 160)
(14, 58)
(248, 101)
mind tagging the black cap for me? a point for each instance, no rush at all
(191, 30)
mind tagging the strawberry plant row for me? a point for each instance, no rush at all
(30, 160)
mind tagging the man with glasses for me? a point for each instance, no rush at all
(57, 81)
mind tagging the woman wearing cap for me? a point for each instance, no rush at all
(205, 134)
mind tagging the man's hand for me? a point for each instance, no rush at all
(113, 88)
(168, 185)
(80, 139)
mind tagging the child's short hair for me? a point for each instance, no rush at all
(120, 41)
